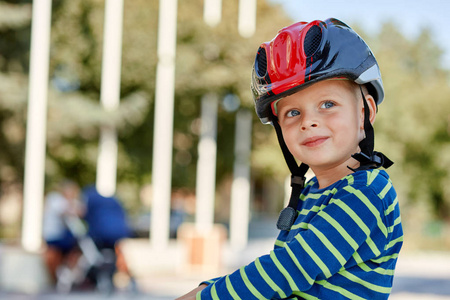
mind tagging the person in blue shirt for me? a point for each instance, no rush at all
(106, 218)
(319, 85)
(107, 225)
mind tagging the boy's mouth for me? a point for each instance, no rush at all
(314, 141)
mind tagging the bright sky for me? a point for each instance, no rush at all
(410, 15)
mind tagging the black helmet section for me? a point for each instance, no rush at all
(305, 53)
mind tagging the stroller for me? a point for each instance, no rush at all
(97, 264)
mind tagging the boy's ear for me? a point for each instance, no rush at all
(372, 107)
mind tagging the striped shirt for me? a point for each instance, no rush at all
(344, 244)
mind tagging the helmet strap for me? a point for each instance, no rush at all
(369, 159)
(289, 213)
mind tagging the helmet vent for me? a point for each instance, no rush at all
(261, 62)
(312, 40)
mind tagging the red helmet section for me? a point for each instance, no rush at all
(304, 53)
(286, 57)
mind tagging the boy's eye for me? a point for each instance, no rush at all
(293, 113)
(327, 104)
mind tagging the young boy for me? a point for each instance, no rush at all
(319, 85)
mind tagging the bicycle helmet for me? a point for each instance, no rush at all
(303, 54)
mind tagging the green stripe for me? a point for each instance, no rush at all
(210, 281)
(366, 268)
(299, 225)
(299, 266)
(339, 289)
(396, 222)
(340, 229)
(280, 243)
(385, 258)
(250, 286)
(385, 190)
(230, 289)
(315, 208)
(357, 258)
(391, 207)
(214, 292)
(355, 246)
(361, 225)
(328, 244)
(370, 286)
(377, 270)
(267, 279)
(370, 206)
(371, 176)
(305, 296)
(393, 242)
(313, 256)
(350, 179)
(283, 271)
(316, 196)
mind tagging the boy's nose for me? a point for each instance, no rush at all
(309, 124)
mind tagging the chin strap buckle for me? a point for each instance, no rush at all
(298, 180)
(288, 215)
(375, 161)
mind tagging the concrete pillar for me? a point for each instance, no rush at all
(163, 132)
(247, 18)
(110, 96)
(22, 271)
(206, 165)
(240, 189)
(212, 12)
(36, 126)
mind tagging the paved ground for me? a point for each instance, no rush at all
(419, 275)
(424, 276)
(406, 288)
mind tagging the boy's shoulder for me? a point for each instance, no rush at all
(368, 177)
(365, 181)
(372, 182)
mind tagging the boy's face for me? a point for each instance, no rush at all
(323, 124)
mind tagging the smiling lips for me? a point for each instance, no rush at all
(314, 141)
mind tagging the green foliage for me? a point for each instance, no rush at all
(14, 47)
(209, 60)
(412, 127)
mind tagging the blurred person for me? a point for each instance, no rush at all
(106, 218)
(61, 243)
(319, 85)
(107, 225)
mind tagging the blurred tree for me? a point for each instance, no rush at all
(209, 60)
(414, 123)
(412, 128)
(15, 19)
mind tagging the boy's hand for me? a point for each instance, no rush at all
(191, 294)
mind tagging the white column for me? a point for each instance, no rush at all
(163, 131)
(206, 165)
(36, 126)
(240, 189)
(212, 12)
(110, 96)
(247, 18)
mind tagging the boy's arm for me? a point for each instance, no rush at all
(192, 294)
(316, 253)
